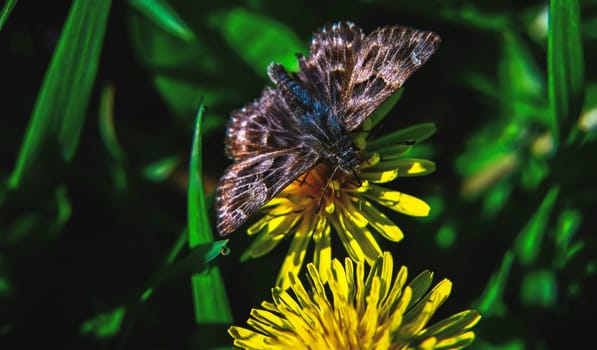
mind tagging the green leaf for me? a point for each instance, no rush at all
(469, 15)
(6, 10)
(162, 14)
(539, 288)
(565, 66)
(520, 78)
(446, 235)
(491, 301)
(496, 198)
(105, 324)
(161, 169)
(569, 222)
(59, 111)
(209, 294)
(259, 40)
(528, 242)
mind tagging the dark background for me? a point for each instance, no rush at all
(56, 275)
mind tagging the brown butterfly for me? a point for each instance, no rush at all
(308, 117)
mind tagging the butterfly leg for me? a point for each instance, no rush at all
(324, 189)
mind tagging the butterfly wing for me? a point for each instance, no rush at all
(356, 73)
(253, 181)
(262, 140)
(331, 60)
(387, 57)
(261, 126)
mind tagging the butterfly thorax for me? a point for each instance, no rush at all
(342, 154)
(319, 129)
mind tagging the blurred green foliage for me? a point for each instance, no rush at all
(112, 143)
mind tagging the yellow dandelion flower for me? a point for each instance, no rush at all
(347, 311)
(314, 205)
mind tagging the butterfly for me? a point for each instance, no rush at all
(307, 118)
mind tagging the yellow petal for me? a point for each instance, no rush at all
(322, 253)
(346, 237)
(398, 201)
(380, 222)
(379, 176)
(296, 253)
(458, 342)
(270, 235)
(428, 344)
(390, 304)
(405, 166)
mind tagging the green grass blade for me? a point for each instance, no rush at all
(194, 262)
(106, 123)
(529, 241)
(199, 228)
(162, 14)
(6, 10)
(209, 293)
(565, 65)
(59, 111)
(491, 301)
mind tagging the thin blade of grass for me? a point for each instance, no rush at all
(565, 66)
(209, 293)
(6, 10)
(106, 123)
(162, 14)
(59, 112)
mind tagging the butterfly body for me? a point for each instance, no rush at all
(308, 117)
(319, 129)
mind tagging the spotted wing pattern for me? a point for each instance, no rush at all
(356, 73)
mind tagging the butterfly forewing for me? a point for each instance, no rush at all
(387, 57)
(356, 73)
(261, 126)
(332, 56)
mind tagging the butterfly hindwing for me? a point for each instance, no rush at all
(253, 181)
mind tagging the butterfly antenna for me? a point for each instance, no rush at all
(325, 188)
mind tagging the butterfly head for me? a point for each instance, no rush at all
(346, 157)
